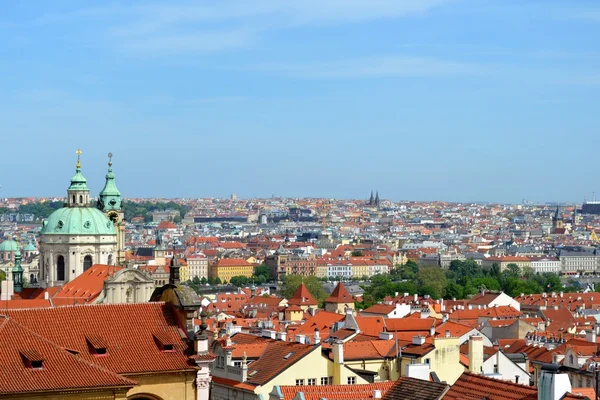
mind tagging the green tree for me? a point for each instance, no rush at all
(203, 281)
(454, 291)
(211, 281)
(263, 270)
(495, 270)
(487, 282)
(314, 286)
(434, 278)
(239, 281)
(357, 253)
(512, 270)
(196, 281)
(218, 281)
(528, 273)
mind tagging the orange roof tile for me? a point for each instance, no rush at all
(340, 295)
(127, 329)
(302, 297)
(60, 370)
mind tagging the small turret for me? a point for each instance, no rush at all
(17, 272)
(78, 193)
(110, 197)
(174, 271)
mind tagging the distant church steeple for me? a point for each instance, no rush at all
(109, 202)
(557, 219)
(377, 199)
(371, 199)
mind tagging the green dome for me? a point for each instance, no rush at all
(78, 221)
(30, 247)
(9, 245)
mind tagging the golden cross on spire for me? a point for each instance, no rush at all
(110, 159)
(78, 152)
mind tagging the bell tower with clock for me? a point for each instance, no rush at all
(109, 202)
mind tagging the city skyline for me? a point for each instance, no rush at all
(424, 100)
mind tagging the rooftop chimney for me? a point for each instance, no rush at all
(317, 336)
(377, 394)
(338, 352)
(475, 354)
(418, 340)
(590, 335)
(174, 271)
(552, 385)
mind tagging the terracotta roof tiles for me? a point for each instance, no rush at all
(59, 369)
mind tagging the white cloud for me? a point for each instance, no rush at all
(151, 28)
(370, 67)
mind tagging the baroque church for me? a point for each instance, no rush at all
(79, 235)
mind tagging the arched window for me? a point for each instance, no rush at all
(74, 199)
(60, 268)
(80, 199)
(87, 262)
(110, 259)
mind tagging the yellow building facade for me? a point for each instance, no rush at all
(227, 268)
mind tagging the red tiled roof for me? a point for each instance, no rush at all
(416, 389)
(277, 357)
(477, 387)
(336, 392)
(232, 262)
(128, 331)
(60, 369)
(302, 297)
(88, 285)
(340, 295)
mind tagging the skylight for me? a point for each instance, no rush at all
(288, 355)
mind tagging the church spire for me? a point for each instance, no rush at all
(377, 198)
(371, 199)
(110, 197)
(78, 193)
(17, 272)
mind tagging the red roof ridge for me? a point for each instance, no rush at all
(340, 295)
(302, 297)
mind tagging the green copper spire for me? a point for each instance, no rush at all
(110, 197)
(17, 272)
(78, 182)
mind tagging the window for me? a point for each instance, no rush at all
(312, 381)
(237, 363)
(495, 368)
(299, 382)
(60, 268)
(87, 262)
(324, 380)
(351, 380)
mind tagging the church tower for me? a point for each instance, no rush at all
(109, 202)
(557, 220)
(76, 236)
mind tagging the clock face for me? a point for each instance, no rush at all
(112, 202)
(113, 216)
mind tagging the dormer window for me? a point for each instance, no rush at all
(96, 345)
(32, 359)
(163, 341)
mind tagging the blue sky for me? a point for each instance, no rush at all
(457, 100)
